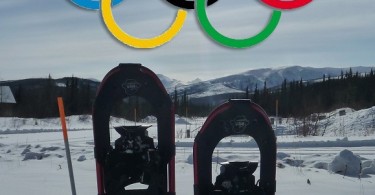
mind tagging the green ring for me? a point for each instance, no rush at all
(236, 43)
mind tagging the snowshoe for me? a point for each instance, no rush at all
(134, 157)
(235, 117)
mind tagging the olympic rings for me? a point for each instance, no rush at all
(280, 4)
(187, 4)
(236, 43)
(138, 42)
(171, 32)
(92, 4)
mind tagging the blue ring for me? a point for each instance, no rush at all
(92, 4)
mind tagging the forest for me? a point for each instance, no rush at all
(37, 97)
(299, 99)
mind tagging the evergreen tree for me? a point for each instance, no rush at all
(247, 93)
(256, 95)
(175, 100)
(342, 75)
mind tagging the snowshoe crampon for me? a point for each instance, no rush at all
(134, 157)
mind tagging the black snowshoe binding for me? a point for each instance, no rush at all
(134, 157)
(235, 117)
(236, 178)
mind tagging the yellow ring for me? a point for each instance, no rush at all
(138, 42)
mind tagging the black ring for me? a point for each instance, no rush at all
(187, 4)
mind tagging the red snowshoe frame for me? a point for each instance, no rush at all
(235, 117)
(135, 80)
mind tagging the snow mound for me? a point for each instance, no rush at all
(26, 150)
(368, 168)
(52, 148)
(149, 119)
(348, 123)
(346, 163)
(367, 163)
(81, 158)
(280, 165)
(181, 121)
(85, 118)
(293, 162)
(321, 165)
(190, 159)
(34, 156)
(282, 155)
(215, 159)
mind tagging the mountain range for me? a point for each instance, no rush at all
(228, 86)
(222, 88)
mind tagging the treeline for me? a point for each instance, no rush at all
(137, 108)
(185, 107)
(299, 98)
(37, 98)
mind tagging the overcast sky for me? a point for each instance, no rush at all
(40, 37)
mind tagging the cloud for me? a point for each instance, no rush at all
(61, 38)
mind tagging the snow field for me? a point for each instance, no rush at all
(33, 159)
(49, 175)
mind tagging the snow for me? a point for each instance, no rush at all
(179, 120)
(6, 95)
(61, 84)
(346, 163)
(169, 83)
(197, 80)
(370, 169)
(34, 155)
(349, 123)
(81, 158)
(282, 155)
(212, 89)
(35, 162)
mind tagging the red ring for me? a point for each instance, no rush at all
(282, 4)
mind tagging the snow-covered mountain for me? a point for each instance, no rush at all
(169, 83)
(215, 90)
(197, 80)
(275, 76)
(235, 85)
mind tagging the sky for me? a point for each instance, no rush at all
(40, 38)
